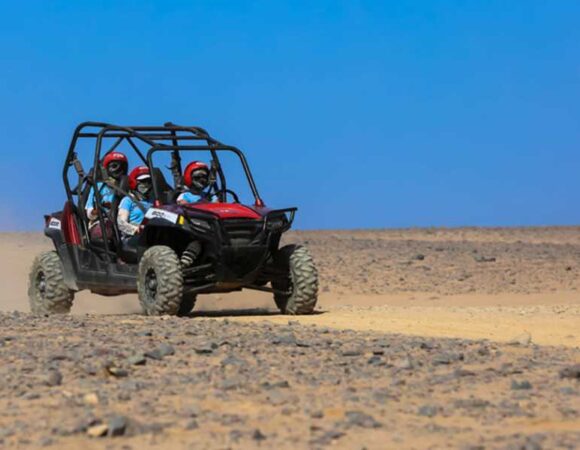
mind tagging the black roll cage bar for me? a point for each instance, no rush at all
(154, 137)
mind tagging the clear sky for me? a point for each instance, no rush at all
(361, 113)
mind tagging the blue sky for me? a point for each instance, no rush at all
(361, 113)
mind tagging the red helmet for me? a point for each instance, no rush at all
(192, 167)
(137, 172)
(114, 156)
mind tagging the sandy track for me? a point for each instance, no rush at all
(417, 282)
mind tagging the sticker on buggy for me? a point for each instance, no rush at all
(154, 213)
(54, 223)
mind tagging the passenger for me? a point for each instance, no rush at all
(116, 166)
(196, 178)
(133, 207)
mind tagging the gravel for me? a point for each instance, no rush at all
(280, 386)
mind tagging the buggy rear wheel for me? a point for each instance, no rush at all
(47, 291)
(300, 286)
(160, 282)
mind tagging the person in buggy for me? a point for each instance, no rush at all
(133, 207)
(196, 178)
(116, 166)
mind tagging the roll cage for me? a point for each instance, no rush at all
(145, 141)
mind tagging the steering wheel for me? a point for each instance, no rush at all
(227, 191)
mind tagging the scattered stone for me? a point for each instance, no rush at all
(191, 425)
(351, 351)
(97, 430)
(205, 347)
(257, 435)
(520, 385)
(446, 358)
(360, 419)
(484, 259)
(571, 372)
(137, 359)
(166, 350)
(284, 339)
(428, 410)
(91, 399)
(118, 372)
(53, 378)
(116, 426)
(523, 339)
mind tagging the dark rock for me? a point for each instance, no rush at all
(205, 347)
(484, 259)
(166, 349)
(328, 437)
(117, 425)
(257, 435)
(284, 339)
(191, 425)
(446, 358)
(418, 257)
(232, 360)
(352, 351)
(137, 359)
(231, 383)
(144, 333)
(571, 372)
(53, 378)
(360, 419)
(154, 354)
(520, 385)
(471, 403)
(428, 410)
(276, 385)
(318, 414)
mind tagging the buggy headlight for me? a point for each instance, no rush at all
(200, 224)
(276, 224)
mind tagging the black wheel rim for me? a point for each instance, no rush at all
(151, 285)
(41, 283)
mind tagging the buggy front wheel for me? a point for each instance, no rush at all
(297, 291)
(160, 282)
(47, 291)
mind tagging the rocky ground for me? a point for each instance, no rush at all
(375, 368)
(134, 382)
(447, 261)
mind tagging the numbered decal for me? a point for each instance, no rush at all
(54, 223)
(154, 213)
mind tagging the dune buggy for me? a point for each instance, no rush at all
(181, 250)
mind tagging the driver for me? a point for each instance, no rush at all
(115, 165)
(196, 178)
(133, 207)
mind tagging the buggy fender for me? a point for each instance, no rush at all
(67, 254)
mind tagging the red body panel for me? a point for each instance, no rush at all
(69, 225)
(227, 210)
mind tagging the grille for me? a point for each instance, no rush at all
(242, 231)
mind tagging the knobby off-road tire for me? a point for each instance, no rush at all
(47, 291)
(160, 282)
(302, 281)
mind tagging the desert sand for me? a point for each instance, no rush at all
(424, 338)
